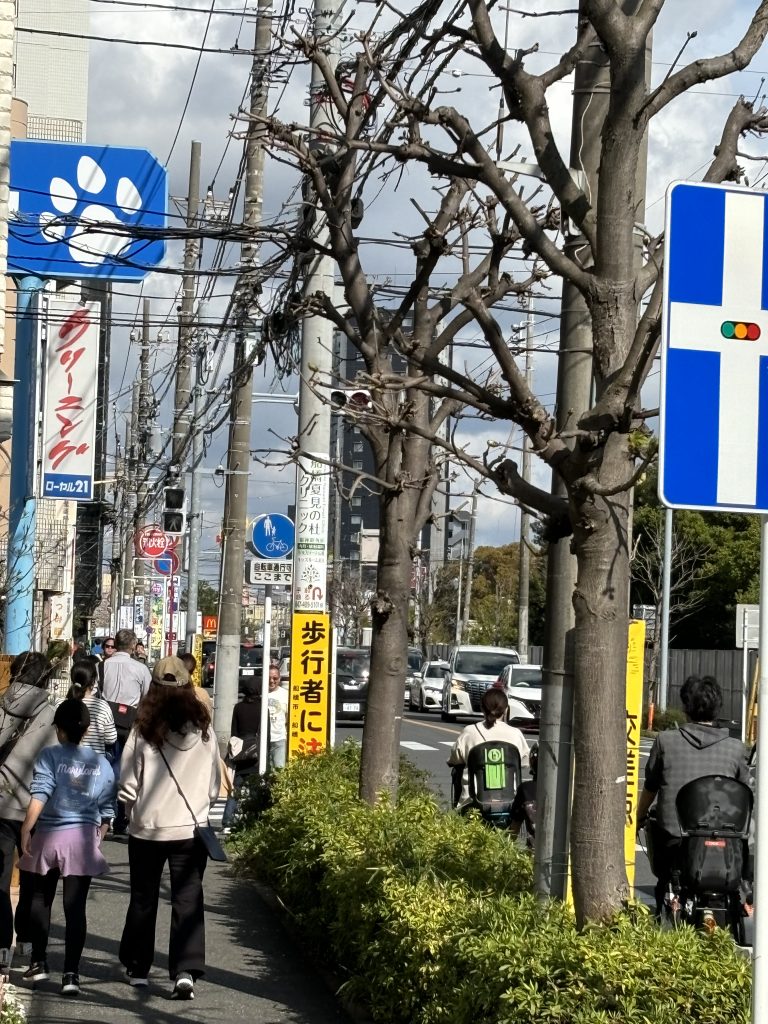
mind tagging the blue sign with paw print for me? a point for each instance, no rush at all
(85, 211)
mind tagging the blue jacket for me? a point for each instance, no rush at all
(76, 784)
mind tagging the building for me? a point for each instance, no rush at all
(51, 71)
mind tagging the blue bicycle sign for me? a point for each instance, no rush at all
(273, 536)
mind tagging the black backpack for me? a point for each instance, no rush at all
(495, 772)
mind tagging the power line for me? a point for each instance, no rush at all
(132, 42)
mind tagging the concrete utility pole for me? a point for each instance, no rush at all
(183, 425)
(524, 564)
(316, 351)
(194, 517)
(470, 566)
(239, 452)
(591, 97)
(142, 460)
(131, 454)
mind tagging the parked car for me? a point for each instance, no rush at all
(209, 668)
(426, 689)
(522, 685)
(251, 661)
(415, 662)
(353, 665)
(471, 671)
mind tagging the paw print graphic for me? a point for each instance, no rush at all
(90, 247)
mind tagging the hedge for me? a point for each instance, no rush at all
(431, 919)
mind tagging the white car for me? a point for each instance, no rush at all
(471, 671)
(426, 689)
(522, 685)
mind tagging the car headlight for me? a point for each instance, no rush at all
(458, 684)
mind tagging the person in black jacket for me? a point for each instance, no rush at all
(246, 720)
(26, 726)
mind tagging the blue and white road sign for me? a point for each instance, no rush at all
(273, 536)
(60, 190)
(714, 353)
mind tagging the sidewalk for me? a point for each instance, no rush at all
(255, 972)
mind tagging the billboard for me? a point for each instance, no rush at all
(70, 379)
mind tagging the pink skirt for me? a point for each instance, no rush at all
(71, 851)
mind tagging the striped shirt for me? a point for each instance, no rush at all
(101, 732)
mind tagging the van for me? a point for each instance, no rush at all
(472, 669)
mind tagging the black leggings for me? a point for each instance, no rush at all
(75, 895)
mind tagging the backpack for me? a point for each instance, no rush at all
(8, 744)
(494, 770)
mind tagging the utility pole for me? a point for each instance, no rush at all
(142, 461)
(239, 451)
(131, 450)
(470, 565)
(459, 590)
(317, 362)
(591, 98)
(183, 425)
(524, 562)
(195, 513)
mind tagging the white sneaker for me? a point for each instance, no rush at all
(136, 980)
(184, 988)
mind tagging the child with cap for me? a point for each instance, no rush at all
(73, 791)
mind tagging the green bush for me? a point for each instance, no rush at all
(431, 918)
(672, 718)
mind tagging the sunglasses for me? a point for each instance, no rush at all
(109, 647)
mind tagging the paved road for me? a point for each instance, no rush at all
(427, 740)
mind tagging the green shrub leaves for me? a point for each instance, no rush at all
(431, 918)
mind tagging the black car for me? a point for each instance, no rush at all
(353, 666)
(251, 661)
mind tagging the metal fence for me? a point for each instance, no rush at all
(726, 666)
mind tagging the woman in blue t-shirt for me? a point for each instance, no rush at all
(73, 792)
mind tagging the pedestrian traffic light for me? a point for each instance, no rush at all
(174, 515)
(356, 399)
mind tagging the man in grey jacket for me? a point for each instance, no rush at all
(26, 727)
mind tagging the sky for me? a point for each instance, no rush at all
(162, 98)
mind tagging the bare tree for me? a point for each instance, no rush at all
(351, 605)
(690, 567)
(390, 125)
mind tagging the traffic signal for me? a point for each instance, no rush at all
(356, 399)
(740, 330)
(174, 515)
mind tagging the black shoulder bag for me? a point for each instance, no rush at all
(203, 833)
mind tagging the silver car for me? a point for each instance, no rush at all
(426, 689)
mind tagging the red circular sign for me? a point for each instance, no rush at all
(152, 542)
(167, 564)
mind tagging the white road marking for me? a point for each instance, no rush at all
(414, 745)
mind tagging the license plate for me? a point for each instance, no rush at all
(350, 707)
(248, 671)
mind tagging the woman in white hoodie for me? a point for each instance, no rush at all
(169, 776)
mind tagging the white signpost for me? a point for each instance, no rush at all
(713, 450)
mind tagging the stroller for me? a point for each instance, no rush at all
(494, 772)
(707, 886)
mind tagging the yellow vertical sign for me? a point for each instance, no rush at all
(197, 651)
(634, 707)
(309, 710)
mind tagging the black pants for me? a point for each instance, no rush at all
(10, 842)
(75, 895)
(186, 862)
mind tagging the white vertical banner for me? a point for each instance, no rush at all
(69, 414)
(310, 560)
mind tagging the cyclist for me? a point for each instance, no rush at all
(679, 756)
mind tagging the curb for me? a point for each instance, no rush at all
(357, 1013)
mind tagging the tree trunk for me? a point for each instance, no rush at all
(389, 650)
(601, 603)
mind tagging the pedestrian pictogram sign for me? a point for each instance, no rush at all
(714, 353)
